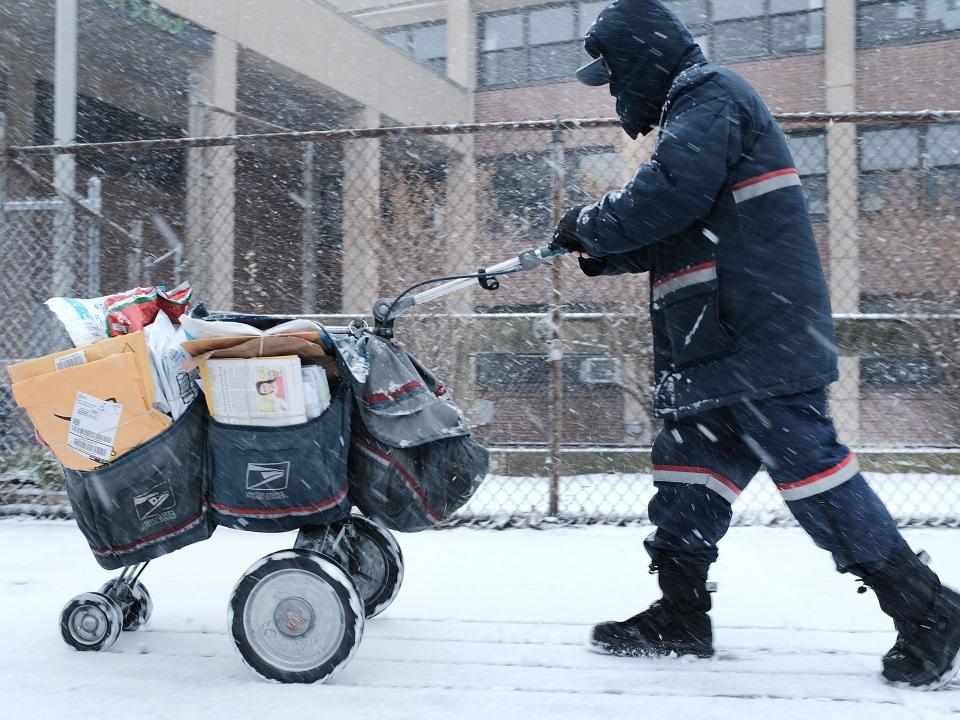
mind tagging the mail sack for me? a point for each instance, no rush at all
(272, 479)
(412, 461)
(415, 488)
(148, 502)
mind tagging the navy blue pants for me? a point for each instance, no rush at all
(703, 462)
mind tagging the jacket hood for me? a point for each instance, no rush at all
(645, 47)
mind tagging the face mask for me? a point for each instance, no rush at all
(630, 120)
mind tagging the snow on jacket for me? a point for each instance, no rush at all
(738, 301)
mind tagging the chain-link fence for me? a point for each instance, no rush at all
(553, 369)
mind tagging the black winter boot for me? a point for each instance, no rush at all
(927, 617)
(677, 623)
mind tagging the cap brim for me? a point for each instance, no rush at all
(594, 73)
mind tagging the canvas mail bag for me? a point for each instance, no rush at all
(412, 462)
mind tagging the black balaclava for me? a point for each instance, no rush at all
(645, 47)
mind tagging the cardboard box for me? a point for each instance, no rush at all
(51, 399)
(265, 391)
(134, 343)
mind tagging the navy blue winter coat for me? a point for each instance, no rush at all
(738, 302)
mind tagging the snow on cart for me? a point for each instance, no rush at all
(170, 422)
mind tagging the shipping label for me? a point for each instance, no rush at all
(93, 426)
(72, 360)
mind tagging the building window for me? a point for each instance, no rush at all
(3, 89)
(731, 30)
(592, 172)
(521, 195)
(98, 122)
(942, 160)
(902, 166)
(874, 304)
(895, 149)
(545, 44)
(427, 42)
(522, 187)
(534, 45)
(882, 22)
(810, 156)
(890, 373)
(526, 373)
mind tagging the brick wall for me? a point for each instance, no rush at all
(909, 77)
(543, 102)
(790, 84)
(899, 418)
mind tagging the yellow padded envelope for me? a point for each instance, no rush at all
(135, 343)
(49, 400)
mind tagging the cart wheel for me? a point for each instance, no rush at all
(368, 552)
(91, 621)
(377, 565)
(295, 617)
(136, 603)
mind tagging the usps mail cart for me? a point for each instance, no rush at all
(296, 615)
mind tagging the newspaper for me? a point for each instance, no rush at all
(255, 391)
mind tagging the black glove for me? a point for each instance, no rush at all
(592, 267)
(635, 261)
(565, 236)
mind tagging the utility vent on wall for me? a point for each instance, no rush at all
(600, 371)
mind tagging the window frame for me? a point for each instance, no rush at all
(518, 176)
(5, 76)
(572, 174)
(815, 215)
(874, 377)
(575, 44)
(924, 171)
(916, 36)
(526, 377)
(431, 63)
(708, 27)
(701, 30)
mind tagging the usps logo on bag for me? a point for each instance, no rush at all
(268, 477)
(156, 505)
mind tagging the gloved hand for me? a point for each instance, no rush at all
(592, 267)
(635, 261)
(565, 236)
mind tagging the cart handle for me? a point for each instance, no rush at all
(386, 310)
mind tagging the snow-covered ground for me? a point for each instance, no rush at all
(488, 625)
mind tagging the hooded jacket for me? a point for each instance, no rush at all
(738, 301)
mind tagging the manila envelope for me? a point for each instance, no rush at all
(48, 400)
(135, 343)
(261, 346)
(204, 345)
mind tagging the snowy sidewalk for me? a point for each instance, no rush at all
(487, 625)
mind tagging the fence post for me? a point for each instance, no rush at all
(196, 200)
(554, 343)
(94, 202)
(135, 262)
(64, 243)
(309, 260)
(3, 184)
